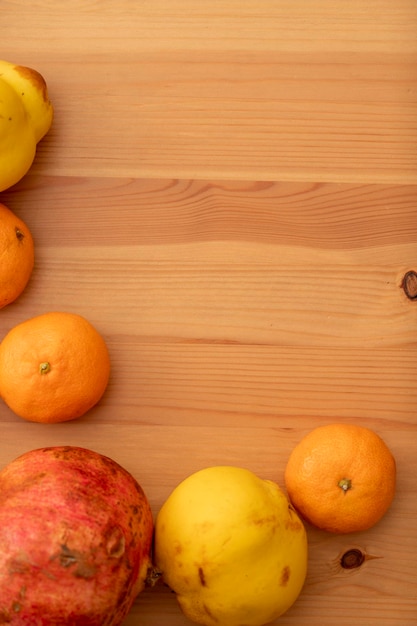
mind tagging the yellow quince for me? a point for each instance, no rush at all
(231, 547)
(26, 115)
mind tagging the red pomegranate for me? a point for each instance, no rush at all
(75, 539)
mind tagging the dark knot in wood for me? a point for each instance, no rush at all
(352, 558)
(409, 285)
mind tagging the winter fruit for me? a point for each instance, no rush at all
(53, 367)
(231, 547)
(16, 256)
(341, 478)
(75, 538)
(26, 115)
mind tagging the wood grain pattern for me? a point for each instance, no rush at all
(252, 90)
(229, 193)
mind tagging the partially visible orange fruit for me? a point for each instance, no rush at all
(16, 256)
(341, 478)
(53, 367)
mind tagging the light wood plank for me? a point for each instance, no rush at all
(235, 90)
(275, 264)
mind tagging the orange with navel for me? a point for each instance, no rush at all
(341, 478)
(16, 256)
(53, 367)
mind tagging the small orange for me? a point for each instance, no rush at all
(16, 256)
(53, 367)
(341, 478)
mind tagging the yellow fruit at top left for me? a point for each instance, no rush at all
(26, 115)
(16, 256)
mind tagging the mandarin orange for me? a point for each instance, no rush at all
(341, 478)
(53, 367)
(16, 256)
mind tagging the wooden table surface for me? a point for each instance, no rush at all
(229, 194)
